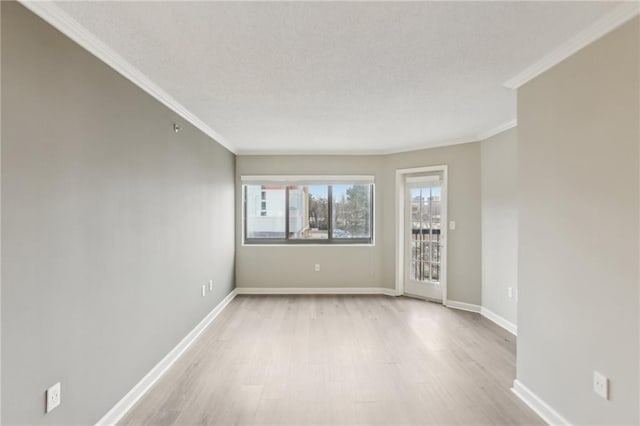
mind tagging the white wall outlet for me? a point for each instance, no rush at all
(317, 267)
(601, 385)
(452, 225)
(510, 292)
(204, 290)
(54, 394)
(210, 285)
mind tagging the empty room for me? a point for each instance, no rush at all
(320, 213)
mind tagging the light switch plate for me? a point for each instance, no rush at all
(452, 225)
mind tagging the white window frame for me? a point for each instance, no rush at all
(299, 180)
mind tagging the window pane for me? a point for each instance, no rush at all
(351, 205)
(308, 212)
(425, 231)
(265, 205)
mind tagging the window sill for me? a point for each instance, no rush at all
(308, 245)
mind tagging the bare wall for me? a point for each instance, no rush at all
(499, 157)
(578, 132)
(111, 223)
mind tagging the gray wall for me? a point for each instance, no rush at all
(0, 220)
(578, 132)
(0, 216)
(293, 266)
(499, 158)
(111, 223)
(369, 266)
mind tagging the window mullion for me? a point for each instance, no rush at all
(244, 221)
(330, 213)
(286, 213)
(371, 203)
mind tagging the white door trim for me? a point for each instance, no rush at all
(400, 190)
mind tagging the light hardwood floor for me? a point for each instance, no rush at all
(340, 360)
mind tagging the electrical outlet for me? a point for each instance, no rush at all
(204, 290)
(510, 292)
(210, 285)
(54, 394)
(317, 267)
(601, 385)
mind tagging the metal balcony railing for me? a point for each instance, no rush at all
(425, 255)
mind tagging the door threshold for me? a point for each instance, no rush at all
(426, 299)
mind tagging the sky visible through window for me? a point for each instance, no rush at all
(340, 191)
(320, 191)
(415, 192)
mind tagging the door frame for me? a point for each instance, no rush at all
(400, 224)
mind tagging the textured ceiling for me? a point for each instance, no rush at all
(338, 77)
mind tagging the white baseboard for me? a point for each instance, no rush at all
(317, 290)
(502, 322)
(120, 409)
(507, 325)
(463, 306)
(541, 408)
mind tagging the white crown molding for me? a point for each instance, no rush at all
(478, 138)
(602, 26)
(124, 405)
(502, 322)
(463, 306)
(317, 290)
(355, 153)
(64, 23)
(544, 410)
(498, 129)
(441, 144)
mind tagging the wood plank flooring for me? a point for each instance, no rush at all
(340, 360)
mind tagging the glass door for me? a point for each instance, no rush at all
(424, 242)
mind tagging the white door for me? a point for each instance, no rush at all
(424, 241)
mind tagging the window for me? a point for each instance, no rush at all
(265, 217)
(312, 211)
